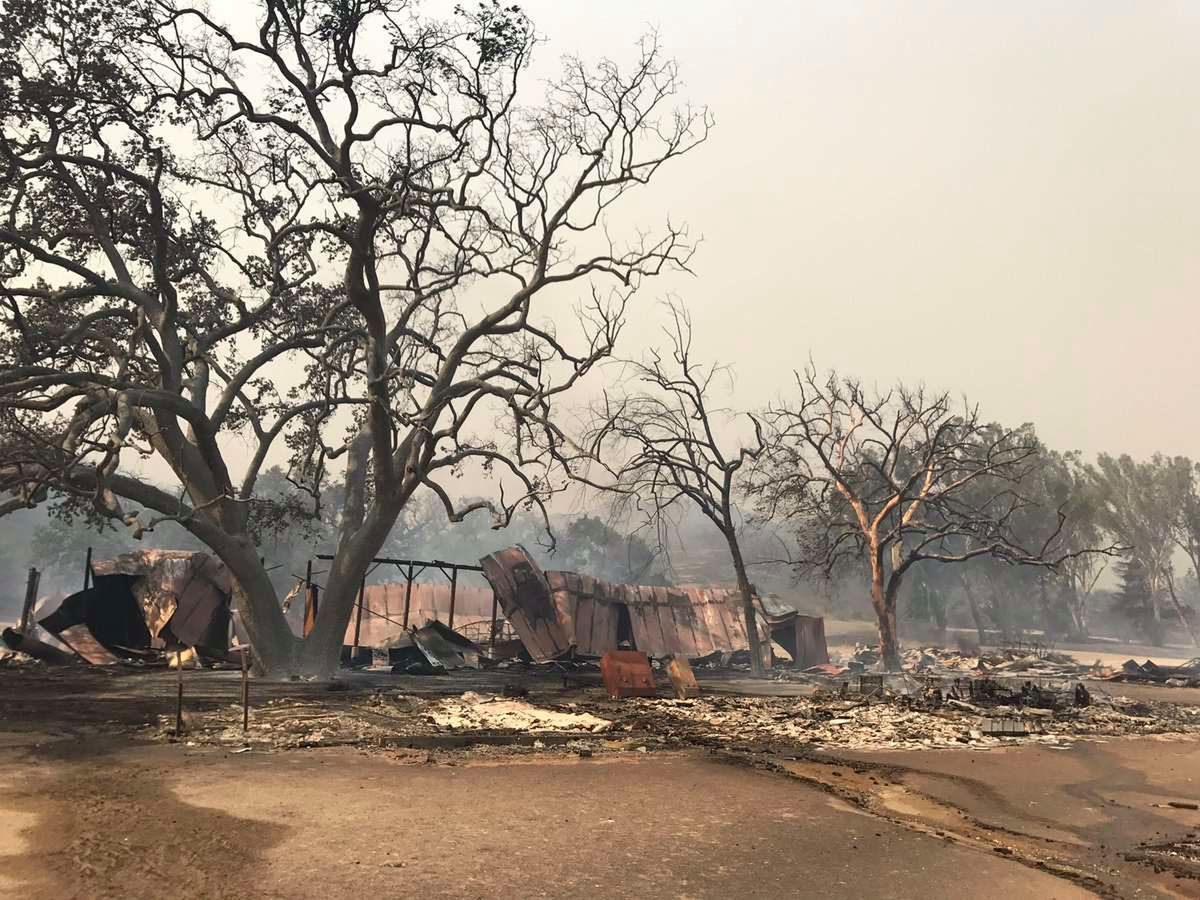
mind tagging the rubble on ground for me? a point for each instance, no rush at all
(1149, 672)
(1026, 660)
(829, 720)
(12, 659)
(473, 711)
(854, 724)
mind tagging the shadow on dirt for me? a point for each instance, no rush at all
(89, 825)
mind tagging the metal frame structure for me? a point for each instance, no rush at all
(410, 569)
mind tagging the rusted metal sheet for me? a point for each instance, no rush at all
(525, 596)
(23, 643)
(627, 673)
(557, 612)
(803, 637)
(141, 602)
(84, 643)
(692, 621)
(811, 648)
(589, 610)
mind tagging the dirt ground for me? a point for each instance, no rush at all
(113, 820)
(92, 806)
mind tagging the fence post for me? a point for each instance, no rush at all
(31, 589)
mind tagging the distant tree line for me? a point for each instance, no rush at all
(909, 492)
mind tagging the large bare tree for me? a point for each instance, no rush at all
(333, 234)
(893, 479)
(664, 447)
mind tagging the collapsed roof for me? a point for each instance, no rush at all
(144, 602)
(557, 613)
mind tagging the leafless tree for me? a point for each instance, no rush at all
(894, 479)
(336, 232)
(663, 447)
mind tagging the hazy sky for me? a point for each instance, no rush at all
(996, 198)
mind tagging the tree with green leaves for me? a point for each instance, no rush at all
(1143, 504)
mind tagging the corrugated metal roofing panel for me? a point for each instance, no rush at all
(693, 621)
(527, 601)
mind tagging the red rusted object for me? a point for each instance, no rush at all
(627, 673)
(683, 679)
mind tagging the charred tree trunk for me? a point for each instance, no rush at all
(883, 599)
(757, 663)
(320, 655)
(278, 653)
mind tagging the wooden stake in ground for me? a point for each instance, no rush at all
(245, 693)
(179, 697)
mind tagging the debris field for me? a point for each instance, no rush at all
(828, 719)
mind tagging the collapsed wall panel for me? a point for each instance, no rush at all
(557, 612)
(528, 603)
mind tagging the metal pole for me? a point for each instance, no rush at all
(362, 590)
(87, 570)
(493, 632)
(31, 589)
(245, 692)
(179, 696)
(453, 588)
(408, 593)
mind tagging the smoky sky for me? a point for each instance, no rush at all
(995, 199)
(998, 199)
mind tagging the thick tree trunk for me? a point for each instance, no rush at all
(320, 654)
(274, 645)
(757, 664)
(884, 602)
(278, 653)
